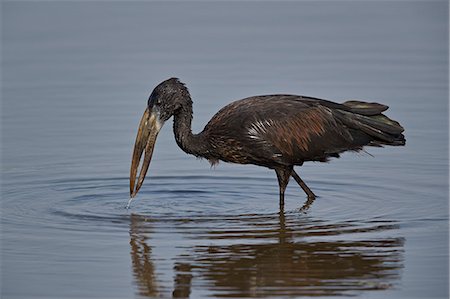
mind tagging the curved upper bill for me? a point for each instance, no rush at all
(145, 141)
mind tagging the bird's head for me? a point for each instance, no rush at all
(165, 100)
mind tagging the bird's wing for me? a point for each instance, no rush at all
(276, 129)
(297, 131)
(287, 129)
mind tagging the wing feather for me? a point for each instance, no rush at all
(287, 129)
(309, 133)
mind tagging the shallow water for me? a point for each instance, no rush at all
(76, 77)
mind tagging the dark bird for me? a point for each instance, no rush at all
(275, 131)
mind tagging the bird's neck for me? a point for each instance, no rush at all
(190, 143)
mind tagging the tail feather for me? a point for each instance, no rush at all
(367, 117)
(390, 125)
(365, 108)
(380, 122)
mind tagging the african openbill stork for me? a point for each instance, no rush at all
(276, 131)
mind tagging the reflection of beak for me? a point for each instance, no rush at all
(145, 139)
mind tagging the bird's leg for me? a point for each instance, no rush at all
(311, 195)
(283, 175)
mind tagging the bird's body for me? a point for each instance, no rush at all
(282, 130)
(274, 131)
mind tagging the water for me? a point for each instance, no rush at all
(76, 77)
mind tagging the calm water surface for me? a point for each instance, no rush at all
(76, 77)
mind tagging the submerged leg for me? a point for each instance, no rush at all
(283, 175)
(303, 185)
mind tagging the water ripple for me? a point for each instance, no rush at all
(227, 233)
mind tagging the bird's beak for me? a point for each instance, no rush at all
(145, 140)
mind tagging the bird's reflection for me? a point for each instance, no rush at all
(141, 260)
(271, 255)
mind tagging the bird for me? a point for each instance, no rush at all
(277, 131)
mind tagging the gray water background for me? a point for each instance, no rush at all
(75, 80)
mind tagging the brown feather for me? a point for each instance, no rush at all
(288, 130)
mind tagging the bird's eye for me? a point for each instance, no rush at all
(153, 100)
